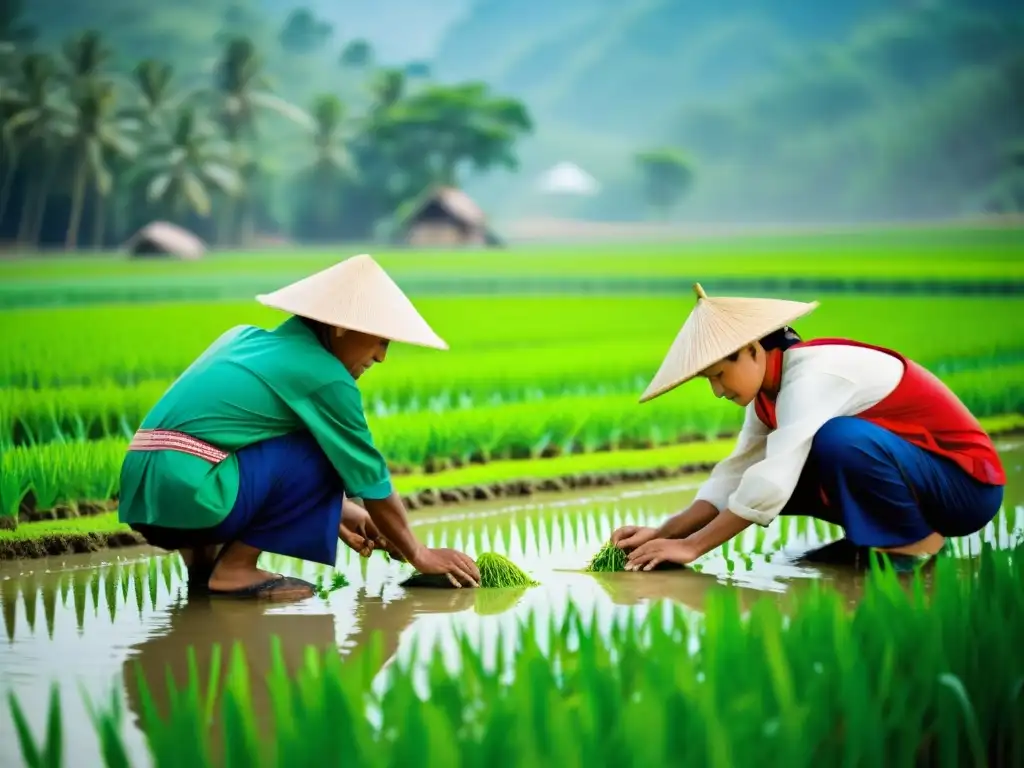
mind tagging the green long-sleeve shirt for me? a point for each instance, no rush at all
(249, 385)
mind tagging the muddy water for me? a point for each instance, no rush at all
(87, 621)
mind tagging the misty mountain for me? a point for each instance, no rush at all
(400, 30)
(572, 60)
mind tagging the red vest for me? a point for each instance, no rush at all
(921, 410)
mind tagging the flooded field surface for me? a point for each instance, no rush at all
(93, 619)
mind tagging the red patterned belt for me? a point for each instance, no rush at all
(171, 440)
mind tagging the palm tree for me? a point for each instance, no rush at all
(332, 162)
(39, 119)
(181, 168)
(98, 131)
(387, 87)
(330, 135)
(153, 84)
(240, 92)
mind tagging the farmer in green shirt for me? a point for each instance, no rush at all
(261, 443)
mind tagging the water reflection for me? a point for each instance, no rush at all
(200, 633)
(107, 615)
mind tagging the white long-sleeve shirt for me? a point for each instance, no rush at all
(818, 383)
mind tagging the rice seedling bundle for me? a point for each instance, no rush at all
(908, 676)
(496, 572)
(609, 559)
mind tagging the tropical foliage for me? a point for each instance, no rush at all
(92, 148)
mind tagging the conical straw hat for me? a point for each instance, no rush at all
(358, 295)
(715, 329)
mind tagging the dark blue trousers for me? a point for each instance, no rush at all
(887, 492)
(289, 500)
(289, 503)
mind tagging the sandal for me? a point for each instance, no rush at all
(260, 589)
(839, 552)
(844, 552)
(265, 588)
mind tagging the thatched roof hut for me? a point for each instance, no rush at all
(443, 216)
(161, 238)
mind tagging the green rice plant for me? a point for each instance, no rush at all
(68, 473)
(772, 685)
(609, 559)
(496, 572)
(933, 253)
(613, 559)
(60, 474)
(338, 581)
(559, 344)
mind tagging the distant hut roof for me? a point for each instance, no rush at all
(455, 202)
(452, 201)
(568, 179)
(162, 237)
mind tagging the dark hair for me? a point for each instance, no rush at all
(322, 331)
(783, 339)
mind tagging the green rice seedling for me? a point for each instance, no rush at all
(630, 332)
(51, 751)
(613, 559)
(338, 581)
(609, 559)
(496, 572)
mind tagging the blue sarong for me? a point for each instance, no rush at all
(885, 491)
(289, 503)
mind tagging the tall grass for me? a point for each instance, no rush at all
(920, 672)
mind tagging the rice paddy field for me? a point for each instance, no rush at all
(526, 440)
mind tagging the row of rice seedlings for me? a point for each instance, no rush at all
(53, 475)
(772, 685)
(62, 473)
(512, 343)
(911, 255)
(574, 536)
(107, 588)
(29, 417)
(65, 473)
(574, 423)
(34, 416)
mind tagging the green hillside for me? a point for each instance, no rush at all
(793, 111)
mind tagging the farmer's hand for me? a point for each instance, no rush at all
(358, 531)
(459, 568)
(630, 537)
(649, 555)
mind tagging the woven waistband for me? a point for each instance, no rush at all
(172, 440)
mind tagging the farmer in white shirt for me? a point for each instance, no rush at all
(835, 429)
